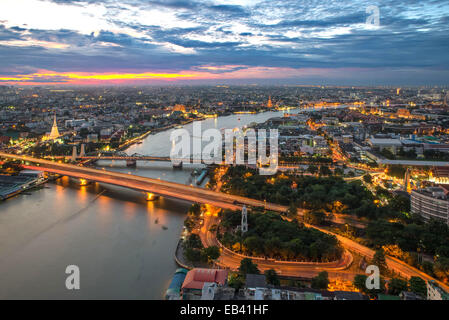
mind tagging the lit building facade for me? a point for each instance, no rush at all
(430, 203)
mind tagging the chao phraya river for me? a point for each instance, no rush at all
(123, 245)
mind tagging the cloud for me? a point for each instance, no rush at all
(175, 36)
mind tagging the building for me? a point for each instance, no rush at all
(194, 282)
(347, 138)
(255, 281)
(54, 134)
(393, 145)
(439, 175)
(173, 291)
(430, 203)
(4, 140)
(32, 174)
(434, 292)
(269, 103)
(406, 295)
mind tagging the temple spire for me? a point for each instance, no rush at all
(54, 134)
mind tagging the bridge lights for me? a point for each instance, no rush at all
(151, 196)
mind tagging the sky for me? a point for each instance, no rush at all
(130, 42)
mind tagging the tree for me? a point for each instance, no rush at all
(193, 255)
(418, 286)
(427, 267)
(292, 211)
(211, 253)
(313, 169)
(195, 209)
(396, 286)
(189, 224)
(325, 171)
(387, 154)
(396, 171)
(321, 281)
(368, 178)
(193, 241)
(339, 171)
(247, 266)
(315, 217)
(236, 281)
(360, 282)
(379, 260)
(253, 244)
(442, 251)
(400, 203)
(441, 268)
(272, 277)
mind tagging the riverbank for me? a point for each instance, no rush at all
(114, 238)
(135, 140)
(19, 187)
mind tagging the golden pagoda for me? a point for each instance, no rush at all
(54, 134)
(269, 103)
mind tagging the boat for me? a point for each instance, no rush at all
(201, 177)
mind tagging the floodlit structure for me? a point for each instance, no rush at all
(54, 134)
(244, 220)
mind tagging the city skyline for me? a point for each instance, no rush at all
(230, 42)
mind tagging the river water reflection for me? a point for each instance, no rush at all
(122, 244)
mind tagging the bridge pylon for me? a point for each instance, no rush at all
(74, 154)
(244, 224)
(83, 150)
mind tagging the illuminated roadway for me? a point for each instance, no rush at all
(160, 187)
(231, 260)
(218, 199)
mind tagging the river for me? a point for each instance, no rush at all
(122, 244)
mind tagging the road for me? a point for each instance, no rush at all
(336, 270)
(231, 260)
(157, 186)
(393, 264)
(218, 199)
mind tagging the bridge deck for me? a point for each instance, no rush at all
(163, 188)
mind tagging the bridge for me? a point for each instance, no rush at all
(199, 195)
(131, 160)
(148, 185)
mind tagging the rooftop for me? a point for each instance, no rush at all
(196, 278)
(256, 281)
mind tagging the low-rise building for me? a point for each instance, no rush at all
(430, 203)
(194, 282)
(435, 292)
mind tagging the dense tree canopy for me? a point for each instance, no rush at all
(321, 281)
(312, 193)
(271, 236)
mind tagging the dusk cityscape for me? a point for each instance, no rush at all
(245, 151)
